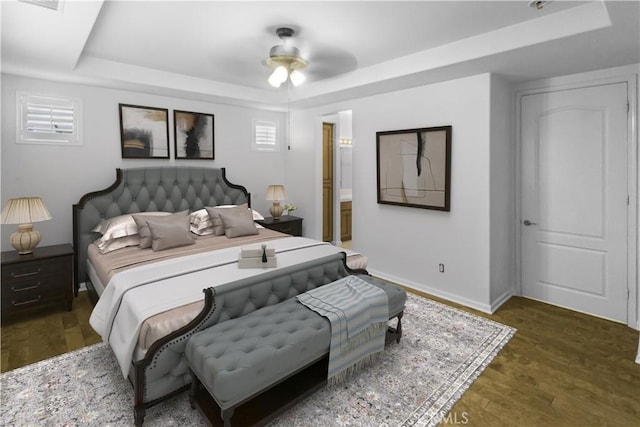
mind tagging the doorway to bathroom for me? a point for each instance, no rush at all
(337, 177)
(345, 155)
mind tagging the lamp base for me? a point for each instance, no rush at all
(276, 211)
(25, 239)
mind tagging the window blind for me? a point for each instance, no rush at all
(48, 120)
(265, 135)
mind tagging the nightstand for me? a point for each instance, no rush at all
(286, 224)
(38, 278)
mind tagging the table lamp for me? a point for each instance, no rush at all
(24, 211)
(275, 193)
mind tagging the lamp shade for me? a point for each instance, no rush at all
(275, 192)
(25, 210)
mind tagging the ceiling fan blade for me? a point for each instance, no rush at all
(328, 61)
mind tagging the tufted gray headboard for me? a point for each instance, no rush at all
(167, 189)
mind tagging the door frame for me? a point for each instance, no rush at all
(334, 172)
(628, 75)
(333, 119)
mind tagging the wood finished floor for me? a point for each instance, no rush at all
(562, 368)
(33, 336)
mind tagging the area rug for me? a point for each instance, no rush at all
(414, 383)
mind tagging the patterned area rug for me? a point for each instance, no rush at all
(415, 383)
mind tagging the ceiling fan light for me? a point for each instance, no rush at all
(278, 76)
(297, 78)
(274, 80)
(281, 73)
(285, 59)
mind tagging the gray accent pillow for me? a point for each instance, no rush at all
(170, 234)
(238, 224)
(143, 229)
(218, 227)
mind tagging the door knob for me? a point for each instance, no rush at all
(528, 223)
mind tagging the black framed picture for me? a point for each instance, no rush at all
(414, 167)
(144, 132)
(193, 135)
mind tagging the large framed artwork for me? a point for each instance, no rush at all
(144, 132)
(414, 167)
(193, 135)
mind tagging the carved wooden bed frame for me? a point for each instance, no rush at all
(163, 372)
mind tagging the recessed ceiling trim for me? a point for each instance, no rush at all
(581, 19)
(164, 80)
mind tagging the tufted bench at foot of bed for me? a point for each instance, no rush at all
(267, 360)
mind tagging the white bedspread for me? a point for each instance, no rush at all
(138, 293)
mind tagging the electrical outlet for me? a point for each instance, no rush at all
(441, 268)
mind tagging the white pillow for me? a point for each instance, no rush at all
(120, 226)
(206, 232)
(202, 224)
(200, 218)
(117, 226)
(257, 216)
(197, 217)
(110, 245)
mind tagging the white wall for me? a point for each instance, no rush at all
(502, 192)
(345, 153)
(346, 167)
(61, 175)
(346, 124)
(407, 244)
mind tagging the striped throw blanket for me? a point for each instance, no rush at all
(358, 313)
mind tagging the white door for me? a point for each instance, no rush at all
(574, 199)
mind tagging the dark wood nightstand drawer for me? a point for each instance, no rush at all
(44, 276)
(286, 224)
(285, 228)
(30, 298)
(34, 270)
(36, 283)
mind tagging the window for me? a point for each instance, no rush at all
(48, 120)
(265, 135)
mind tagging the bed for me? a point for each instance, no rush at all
(153, 360)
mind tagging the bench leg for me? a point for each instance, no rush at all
(394, 334)
(399, 327)
(195, 383)
(138, 416)
(226, 416)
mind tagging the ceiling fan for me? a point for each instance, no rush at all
(285, 60)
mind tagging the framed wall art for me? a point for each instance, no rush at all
(144, 132)
(193, 135)
(414, 167)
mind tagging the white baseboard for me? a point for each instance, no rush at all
(485, 308)
(495, 305)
